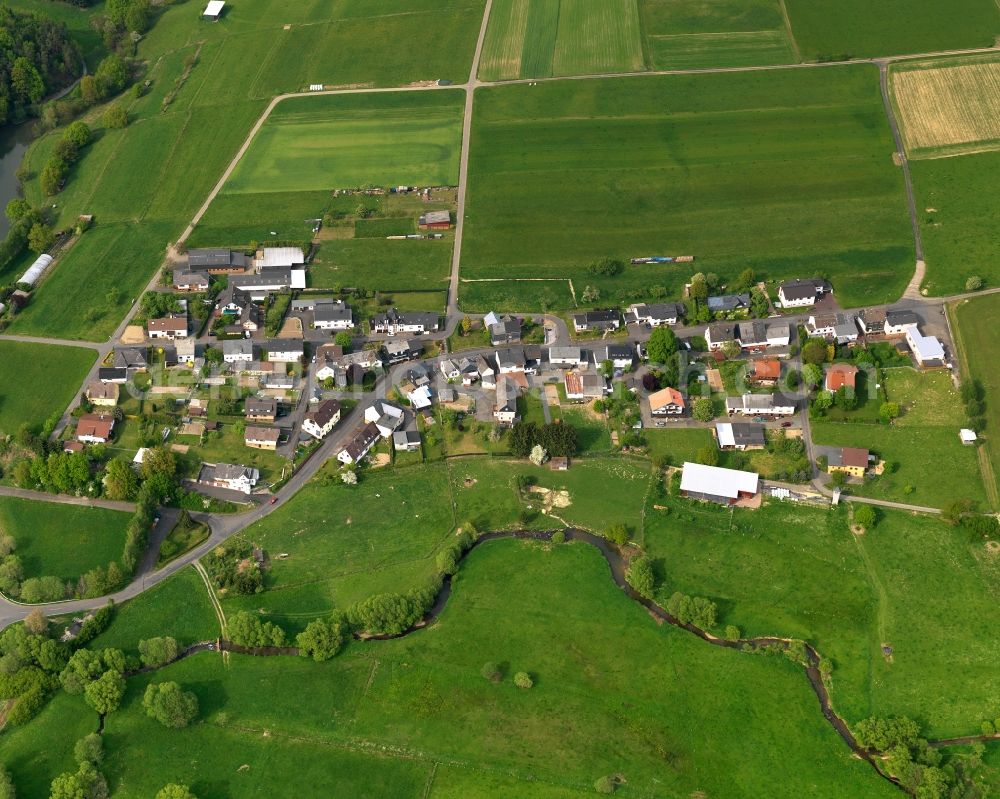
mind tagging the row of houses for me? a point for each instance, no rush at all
(752, 336)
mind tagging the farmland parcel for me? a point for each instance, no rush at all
(542, 38)
(722, 33)
(948, 106)
(834, 29)
(788, 172)
(39, 381)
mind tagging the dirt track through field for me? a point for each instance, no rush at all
(947, 106)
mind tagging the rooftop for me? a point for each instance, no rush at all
(730, 483)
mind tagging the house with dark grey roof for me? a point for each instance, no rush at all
(260, 410)
(361, 442)
(402, 350)
(719, 333)
(726, 303)
(597, 320)
(319, 421)
(217, 261)
(802, 293)
(656, 314)
(131, 358)
(332, 315)
(185, 280)
(506, 330)
(621, 356)
(740, 435)
(896, 322)
(393, 322)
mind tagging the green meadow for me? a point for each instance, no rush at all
(63, 541)
(674, 713)
(347, 141)
(784, 172)
(829, 29)
(544, 38)
(34, 396)
(721, 33)
(958, 212)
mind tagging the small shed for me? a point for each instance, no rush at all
(213, 10)
(967, 436)
(559, 464)
(435, 220)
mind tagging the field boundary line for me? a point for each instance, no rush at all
(216, 606)
(791, 34)
(429, 785)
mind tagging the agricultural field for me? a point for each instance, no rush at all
(947, 107)
(545, 38)
(350, 141)
(729, 168)
(931, 417)
(63, 541)
(976, 342)
(22, 401)
(719, 33)
(840, 29)
(691, 707)
(958, 212)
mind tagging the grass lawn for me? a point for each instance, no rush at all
(782, 570)
(179, 540)
(21, 400)
(958, 215)
(952, 472)
(348, 141)
(178, 607)
(63, 541)
(675, 721)
(976, 343)
(825, 29)
(938, 597)
(677, 444)
(931, 417)
(592, 432)
(382, 265)
(728, 168)
(343, 544)
(723, 33)
(561, 37)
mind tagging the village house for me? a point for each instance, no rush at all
(584, 386)
(840, 375)
(656, 314)
(406, 441)
(187, 349)
(393, 322)
(332, 315)
(131, 358)
(217, 261)
(852, 461)
(237, 351)
(505, 329)
(232, 301)
(719, 333)
(765, 371)
(740, 436)
(229, 476)
(268, 258)
(168, 327)
(512, 359)
(251, 318)
(102, 394)
(260, 287)
(620, 356)
(713, 484)
(361, 442)
(401, 350)
(434, 220)
(566, 356)
(871, 321)
(802, 293)
(262, 437)
(112, 374)
(385, 416)
(927, 350)
(896, 322)
(319, 421)
(728, 303)
(449, 369)
(597, 320)
(260, 410)
(487, 374)
(419, 397)
(191, 281)
(281, 380)
(94, 428)
(285, 350)
(505, 407)
(667, 402)
(760, 405)
(833, 326)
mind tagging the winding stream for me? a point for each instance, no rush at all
(618, 566)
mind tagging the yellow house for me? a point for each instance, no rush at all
(849, 460)
(102, 394)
